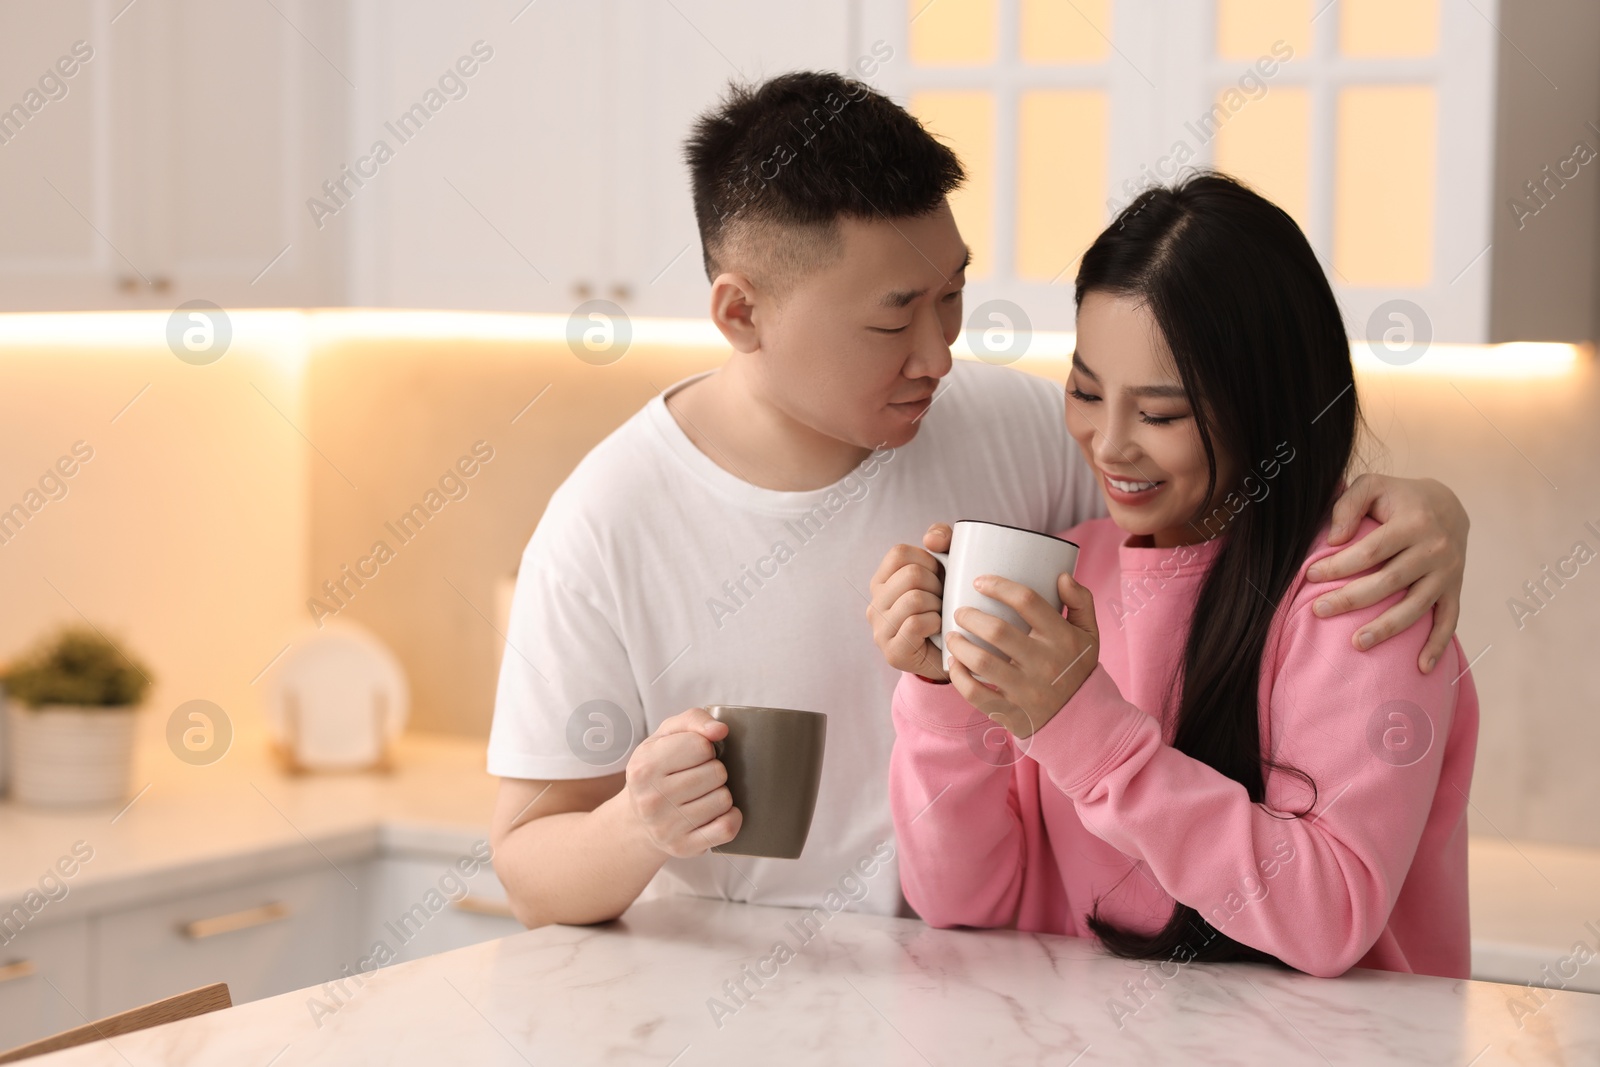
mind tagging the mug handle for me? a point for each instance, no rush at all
(938, 638)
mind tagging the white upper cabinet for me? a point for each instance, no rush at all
(558, 176)
(171, 163)
(507, 155)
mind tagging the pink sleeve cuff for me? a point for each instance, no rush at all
(1092, 733)
(940, 708)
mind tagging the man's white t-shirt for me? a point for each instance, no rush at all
(658, 581)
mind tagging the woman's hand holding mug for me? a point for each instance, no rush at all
(906, 605)
(1032, 674)
(1012, 651)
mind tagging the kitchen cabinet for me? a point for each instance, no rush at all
(230, 151)
(44, 980)
(174, 161)
(416, 908)
(558, 177)
(261, 938)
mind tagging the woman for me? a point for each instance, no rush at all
(1193, 764)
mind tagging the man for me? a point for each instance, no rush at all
(717, 547)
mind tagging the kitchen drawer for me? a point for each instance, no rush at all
(44, 981)
(399, 915)
(263, 938)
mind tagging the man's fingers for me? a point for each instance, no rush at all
(937, 539)
(1401, 572)
(691, 783)
(1446, 613)
(666, 754)
(1361, 593)
(694, 720)
(693, 815)
(1349, 508)
(1397, 619)
(1365, 554)
(723, 828)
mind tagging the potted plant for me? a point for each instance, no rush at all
(71, 705)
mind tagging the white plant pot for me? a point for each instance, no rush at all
(64, 756)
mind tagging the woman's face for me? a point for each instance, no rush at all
(1127, 410)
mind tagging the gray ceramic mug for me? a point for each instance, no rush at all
(774, 761)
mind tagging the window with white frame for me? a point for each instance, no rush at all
(1369, 121)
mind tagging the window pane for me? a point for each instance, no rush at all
(1388, 27)
(964, 120)
(1268, 145)
(952, 33)
(1383, 185)
(1061, 180)
(1065, 31)
(1247, 29)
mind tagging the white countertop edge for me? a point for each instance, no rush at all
(347, 845)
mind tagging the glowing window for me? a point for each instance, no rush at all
(953, 33)
(1064, 31)
(1247, 29)
(1267, 143)
(1061, 179)
(965, 121)
(1384, 184)
(1384, 28)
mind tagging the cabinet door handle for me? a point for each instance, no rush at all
(476, 905)
(17, 969)
(237, 920)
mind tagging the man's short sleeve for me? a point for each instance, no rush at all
(566, 705)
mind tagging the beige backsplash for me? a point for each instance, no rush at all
(396, 415)
(393, 416)
(206, 520)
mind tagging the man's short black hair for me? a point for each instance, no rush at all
(776, 165)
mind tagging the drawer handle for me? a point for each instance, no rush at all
(238, 920)
(476, 905)
(17, 969)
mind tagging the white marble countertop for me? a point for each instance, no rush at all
(862, 989)
(197, 828)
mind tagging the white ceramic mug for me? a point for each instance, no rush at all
(1035, 560)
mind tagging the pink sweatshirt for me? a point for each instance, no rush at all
(1101, 808)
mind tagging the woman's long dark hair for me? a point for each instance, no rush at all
(1261, 350)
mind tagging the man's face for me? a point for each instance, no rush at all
(855, 349)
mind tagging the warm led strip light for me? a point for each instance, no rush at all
(295, 333)
(1513, 360)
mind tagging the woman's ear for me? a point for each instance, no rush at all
(734, 300)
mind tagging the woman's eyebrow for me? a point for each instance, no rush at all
(1158, 392)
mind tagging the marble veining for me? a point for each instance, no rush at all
(662, 986)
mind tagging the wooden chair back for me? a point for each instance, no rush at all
(183, 1006)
